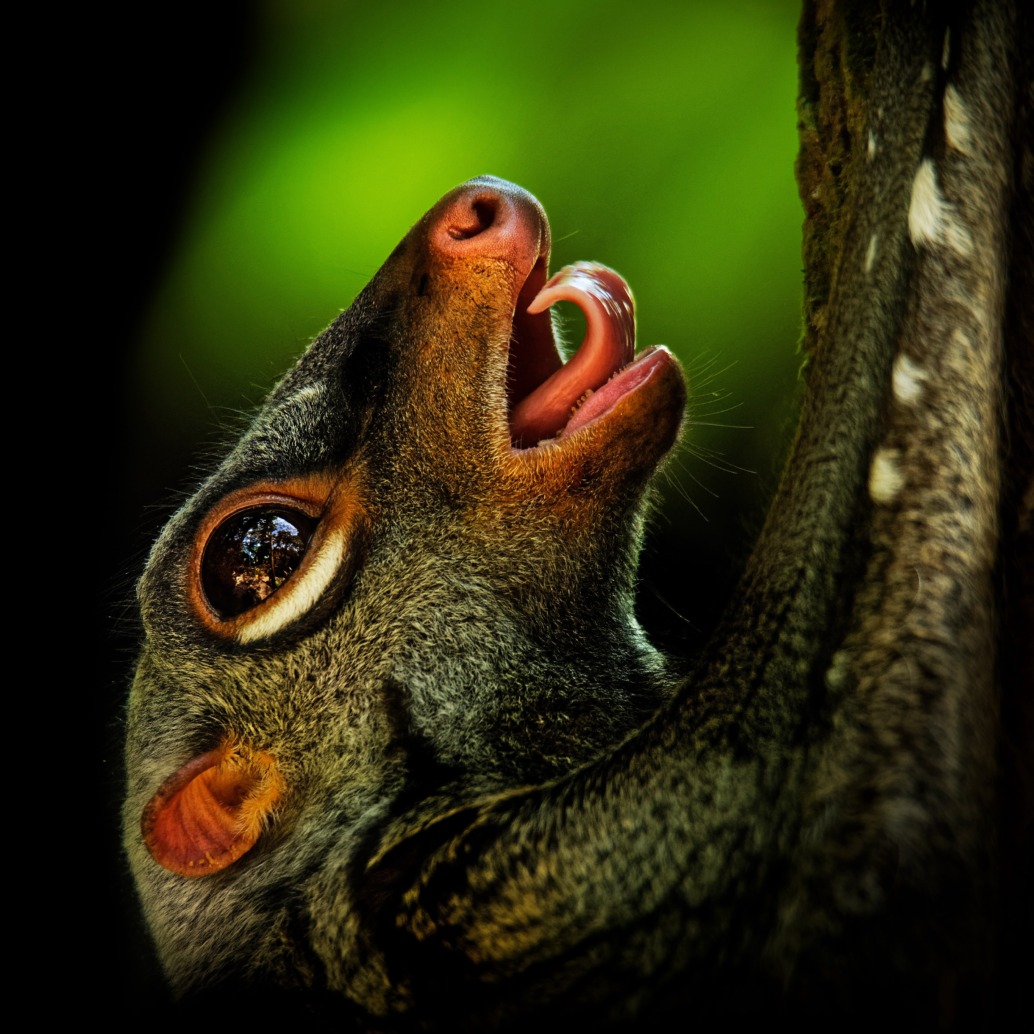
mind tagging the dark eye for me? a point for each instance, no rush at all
(251, 554)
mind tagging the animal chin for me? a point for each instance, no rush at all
(548, 398)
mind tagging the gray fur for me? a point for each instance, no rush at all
(487, 825)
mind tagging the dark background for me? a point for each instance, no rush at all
(239, 170)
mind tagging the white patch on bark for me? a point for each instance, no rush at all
(907, 380)
(885, 477)
(931, 220)
(956, 122)
(870, 253)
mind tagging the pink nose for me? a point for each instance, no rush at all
(490, 218)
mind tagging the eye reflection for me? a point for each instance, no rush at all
(251, 555)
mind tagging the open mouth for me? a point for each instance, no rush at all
(549, 398)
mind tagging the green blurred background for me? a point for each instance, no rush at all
(659, 136)
(254, 163)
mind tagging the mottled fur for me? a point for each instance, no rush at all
(807, 827)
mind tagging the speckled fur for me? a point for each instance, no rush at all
(487, 827)
(485, 633)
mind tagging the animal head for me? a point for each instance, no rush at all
(416, 566)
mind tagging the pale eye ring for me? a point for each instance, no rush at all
(251, 554)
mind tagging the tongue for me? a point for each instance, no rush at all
(609, 345)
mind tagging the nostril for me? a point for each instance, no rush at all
(488, 218)
(486, 209)
(478, 218)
